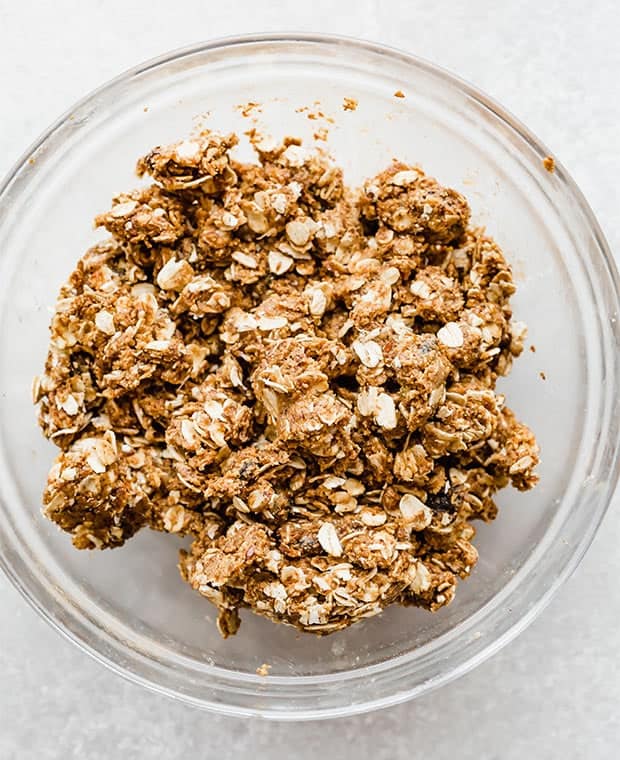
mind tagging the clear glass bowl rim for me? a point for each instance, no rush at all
(402, 678)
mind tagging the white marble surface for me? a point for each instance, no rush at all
(552, 693)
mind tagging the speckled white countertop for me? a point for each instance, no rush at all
(555, 691)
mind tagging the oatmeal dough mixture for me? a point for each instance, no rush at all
(299, 375)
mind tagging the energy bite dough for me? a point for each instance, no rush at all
(299, 375)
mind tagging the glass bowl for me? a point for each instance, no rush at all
(128, 608)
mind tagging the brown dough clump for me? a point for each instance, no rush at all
(299, 375)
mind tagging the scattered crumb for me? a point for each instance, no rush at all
(399, 94)
(318, 112)
(145, 109)
(349, 104)
(542, 376)
(321, 134)
(533, 348)
(263, 670)
(549, 164)
(249, 109)
(314, 115)
(32, 161)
